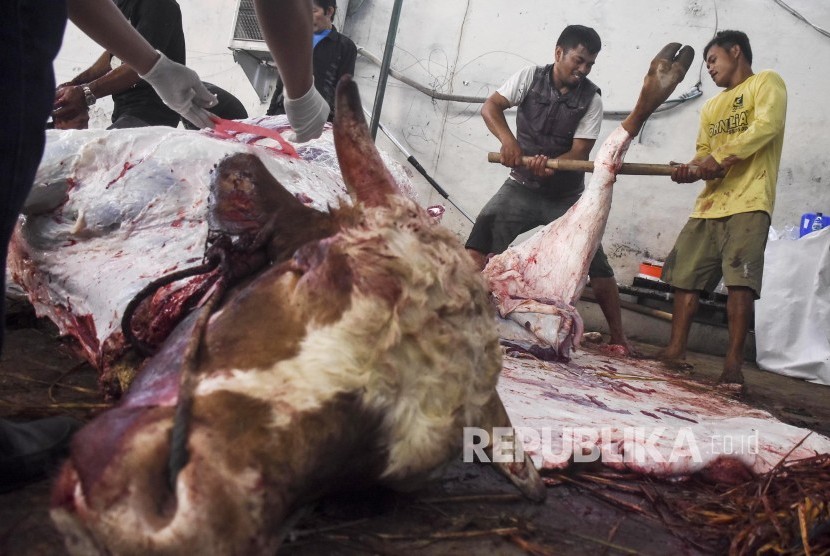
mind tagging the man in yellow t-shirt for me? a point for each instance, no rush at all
(738, 154)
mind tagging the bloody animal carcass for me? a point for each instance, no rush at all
(112, 211)
(536, 283)
(356, 360)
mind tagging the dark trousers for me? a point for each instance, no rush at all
(31, 32)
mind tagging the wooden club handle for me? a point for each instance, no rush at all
(588, 166)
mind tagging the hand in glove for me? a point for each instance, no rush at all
(181, 89)
(307, 115)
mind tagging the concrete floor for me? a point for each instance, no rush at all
(470, 510)
(794, 401)
(649, 321)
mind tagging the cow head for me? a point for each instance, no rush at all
(356, 360)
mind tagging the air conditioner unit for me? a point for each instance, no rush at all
(251, 52)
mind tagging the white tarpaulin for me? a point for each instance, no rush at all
(792, 318)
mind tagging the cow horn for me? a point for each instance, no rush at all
(363, 170)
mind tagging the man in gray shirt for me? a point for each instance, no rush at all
(559, 116)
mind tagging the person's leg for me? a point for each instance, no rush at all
(608, 298)
(693, 265)
(739, 313)
(512, 211)
(128, 121)
(607, 293)
(744, 240)
(685, 307)
(479, 243)
(31, 32)
(30, 451)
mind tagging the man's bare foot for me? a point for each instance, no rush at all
(677, 365)
(732, 370)
(612, 348)
(624, 347)
(616, 350)
(731, 376)
(731, 388)
(731, 380)
(673, 361)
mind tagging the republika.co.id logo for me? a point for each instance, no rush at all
(635, 445)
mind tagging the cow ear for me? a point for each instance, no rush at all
(363, 170)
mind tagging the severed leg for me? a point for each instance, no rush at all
(551, 267)
(666, 71)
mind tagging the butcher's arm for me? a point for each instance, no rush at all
(116, 81)
(179, 87)
(688, 172)
(286, 26)
(493, 114)
(580, 150)
(100, 67)
(71, 99)
(702, 166)
(106, 25)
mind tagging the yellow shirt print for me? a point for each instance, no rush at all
(745, 123)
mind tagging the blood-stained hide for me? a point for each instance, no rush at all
(111, 211)
(357, 360)
(624, 413)
(537, 282)
(634, 415)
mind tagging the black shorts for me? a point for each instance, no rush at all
(516, 209)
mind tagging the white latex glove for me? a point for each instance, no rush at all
(181, 89)
(307, 115)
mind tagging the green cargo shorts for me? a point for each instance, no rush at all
(707, 249)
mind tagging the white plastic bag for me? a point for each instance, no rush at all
(792, 317)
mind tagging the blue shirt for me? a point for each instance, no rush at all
(317, 37)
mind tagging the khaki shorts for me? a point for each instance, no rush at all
(707, 249)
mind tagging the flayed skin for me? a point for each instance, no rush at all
(357, 360)
(248, 201)
(537, 282)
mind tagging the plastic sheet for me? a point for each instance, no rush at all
(111, 211)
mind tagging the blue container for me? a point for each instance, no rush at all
(807, 223)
